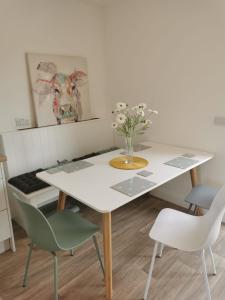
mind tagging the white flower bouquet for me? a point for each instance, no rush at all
(131, 122)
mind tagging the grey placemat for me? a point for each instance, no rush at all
(71, 167)
(76, 166)
(181, 162)
(137, 148)
(133, 186)
(140, 147)
(55, 170)
(188, 155)
(144, 173)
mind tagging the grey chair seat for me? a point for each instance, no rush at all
(71, 229)
(202, 196)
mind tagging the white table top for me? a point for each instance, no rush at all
(91, 186)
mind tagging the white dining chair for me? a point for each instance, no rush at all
(188, 233)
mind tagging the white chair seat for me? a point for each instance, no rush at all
(178, 230)
(188, 233)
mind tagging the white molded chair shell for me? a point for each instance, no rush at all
(189, 233)
(178, 230)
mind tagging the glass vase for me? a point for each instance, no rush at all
(129, 149)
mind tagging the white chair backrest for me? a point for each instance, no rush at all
(213, 219)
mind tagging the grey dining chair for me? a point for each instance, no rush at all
(62, 231)
(201, 196)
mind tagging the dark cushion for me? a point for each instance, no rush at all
(28, 182)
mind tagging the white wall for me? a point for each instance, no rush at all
(69, 27)
(171, 54)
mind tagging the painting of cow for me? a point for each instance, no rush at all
(60, 89)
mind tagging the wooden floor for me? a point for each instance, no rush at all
(177, 276)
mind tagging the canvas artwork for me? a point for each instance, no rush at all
(60, 88)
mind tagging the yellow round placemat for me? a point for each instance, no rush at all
(121, 163)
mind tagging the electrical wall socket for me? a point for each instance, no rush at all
(219, 120)
(22, 123)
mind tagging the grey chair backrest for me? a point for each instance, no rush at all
(36, 226)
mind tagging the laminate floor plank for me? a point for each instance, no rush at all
(177, 275)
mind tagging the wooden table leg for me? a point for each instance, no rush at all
(194, 177)
(107, 242)
(194, 182)
(61, 201)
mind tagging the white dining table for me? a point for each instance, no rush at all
(93, 185)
